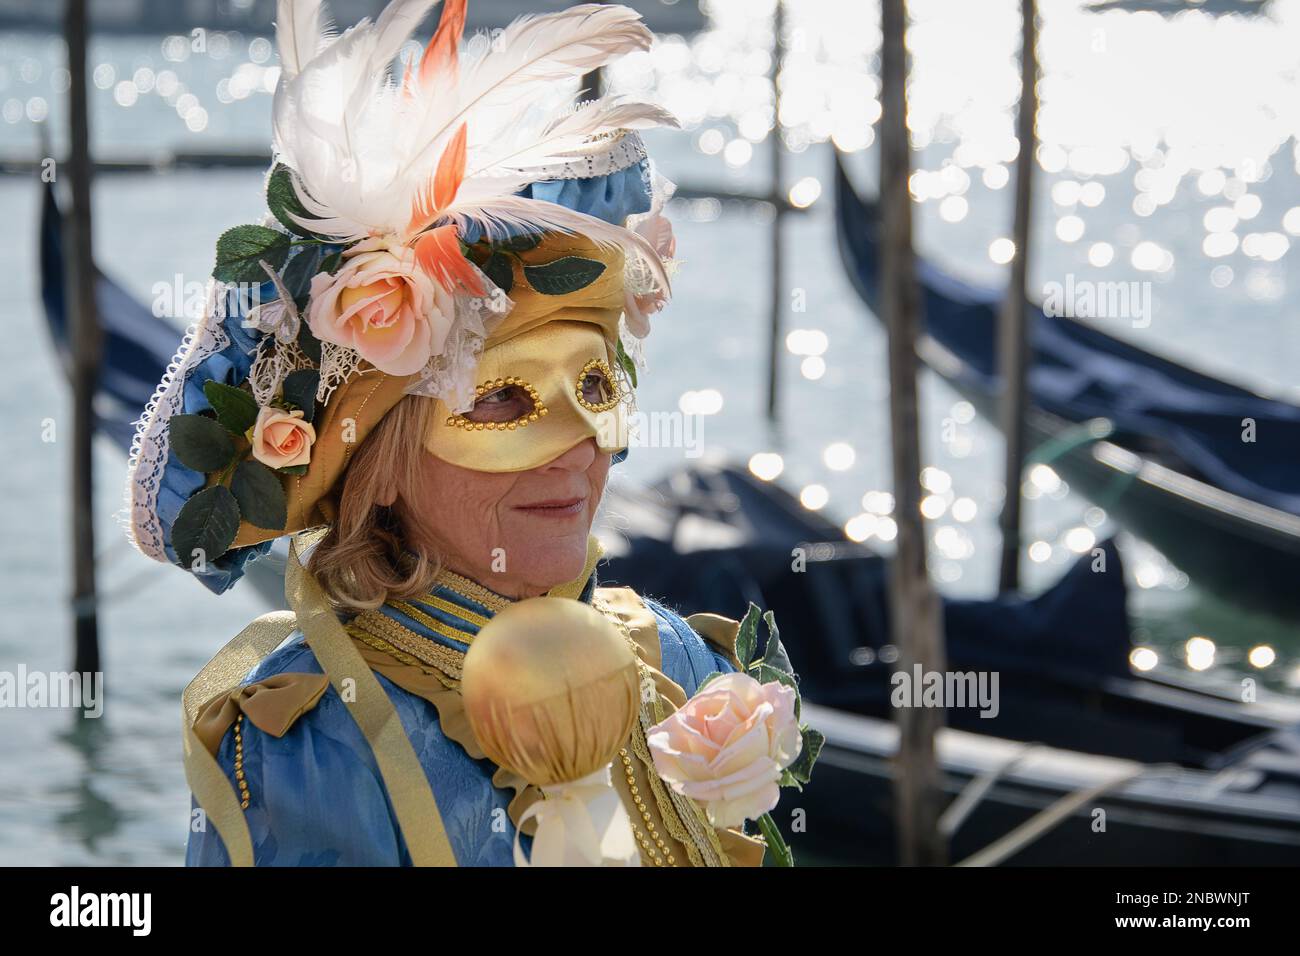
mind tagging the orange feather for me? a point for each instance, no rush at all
(451, 170)
(440, 57)
(440, 191)
(438, 253)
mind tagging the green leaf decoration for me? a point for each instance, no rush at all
(260, 494)
(774, 653)
(331, 262)
(297, 275)
(498, 269)
(626, 361)
(281, 199)
(565, 275)
(747, 636)
(529, 240)
(236, 409)
(200, 442)
(300, 391)
(207, 523)
(293, 470)
(309, 344)
(766, 673)
(714, 675)
(241, 251)
(813, 741)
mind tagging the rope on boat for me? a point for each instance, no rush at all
(1043, 821)
(977, 789)
(1077, 436)
(1068, 439)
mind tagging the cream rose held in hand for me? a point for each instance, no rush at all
(728, 745)
(380, 304)
(282, 439)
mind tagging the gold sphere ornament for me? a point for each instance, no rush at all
(550, 689)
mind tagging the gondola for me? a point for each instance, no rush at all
(1159, 445)
(709, 539)
(1184, 775)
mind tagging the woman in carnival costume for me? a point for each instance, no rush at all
(423, 357)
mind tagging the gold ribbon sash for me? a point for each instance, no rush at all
(408, 787)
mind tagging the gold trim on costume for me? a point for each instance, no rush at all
(472, 590)
(683, 817)
(384, 634)
(205, 776)
(660, 854)
(409, 791)
(442, 604)
(682, 822)
(449, 631)
(239, 762)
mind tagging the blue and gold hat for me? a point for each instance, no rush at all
(414, 226)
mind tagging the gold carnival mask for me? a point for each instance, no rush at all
(541, 392)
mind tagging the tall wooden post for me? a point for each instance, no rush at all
(776, 263)
(1013, 326)
(86, 345)
(916, 625)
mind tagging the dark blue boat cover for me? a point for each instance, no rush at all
(1191, 420)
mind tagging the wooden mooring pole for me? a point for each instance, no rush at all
(1013, 324)
(86, 345)
(916, 625)
(776, 263)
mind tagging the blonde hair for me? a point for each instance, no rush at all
(365, 559)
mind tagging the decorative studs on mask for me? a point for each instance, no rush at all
(610, 387)
(511, 388)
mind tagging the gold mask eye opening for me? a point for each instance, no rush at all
(502, 403)
(596, 389)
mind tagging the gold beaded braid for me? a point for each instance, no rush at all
(378, 643)
(661, 856)
(239, 763)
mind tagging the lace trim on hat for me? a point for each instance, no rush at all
(148, 455)
(602, 155)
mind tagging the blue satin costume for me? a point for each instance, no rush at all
(316, 796)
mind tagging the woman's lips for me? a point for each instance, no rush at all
(555, 507)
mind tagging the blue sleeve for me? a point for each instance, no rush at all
(687, 658)
(313, 801)
(317, 798)
(315, 795)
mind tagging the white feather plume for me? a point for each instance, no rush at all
(521, 144)
(524, 62)
(302, 27)
(364, 145)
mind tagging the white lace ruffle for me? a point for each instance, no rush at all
(450, 374)
(148, 455)
(338, 363)
(272, 366)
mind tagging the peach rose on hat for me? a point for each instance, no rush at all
(383, 306)
(281, 438)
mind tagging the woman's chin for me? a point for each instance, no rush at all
(554, 561)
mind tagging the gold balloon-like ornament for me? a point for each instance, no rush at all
(550, 689)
